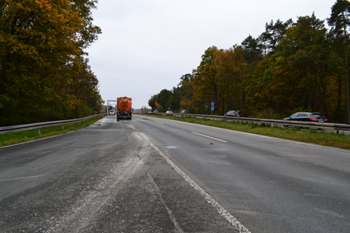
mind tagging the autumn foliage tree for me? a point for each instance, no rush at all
(291, 66)
(42, 62)
(340, 21)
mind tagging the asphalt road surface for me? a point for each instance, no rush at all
(157, 175)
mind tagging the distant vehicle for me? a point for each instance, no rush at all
(155, 111)
(169, 112)
(307, 116)
(124, 108)
(184, 112)
(111, 112)
(233, 113)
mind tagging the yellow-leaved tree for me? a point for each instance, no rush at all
(41, 45)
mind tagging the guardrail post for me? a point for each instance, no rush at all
(39, 131)
(62, 127)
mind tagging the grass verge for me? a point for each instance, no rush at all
(318, 137)
(30, 135)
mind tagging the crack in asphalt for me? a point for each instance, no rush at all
(171, 215)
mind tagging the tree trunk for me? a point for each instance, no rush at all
(346, 74)
(339, 112)
(347, 84)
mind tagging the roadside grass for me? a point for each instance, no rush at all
(314, 136)
(30, 135)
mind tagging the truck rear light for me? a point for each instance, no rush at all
(233, 115)
(313, 119)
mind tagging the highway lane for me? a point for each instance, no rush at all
(107, 177)
(268, 184)
(119, 177)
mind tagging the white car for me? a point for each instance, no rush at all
(111, 112)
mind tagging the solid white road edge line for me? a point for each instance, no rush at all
(209, 137)
(221, 210)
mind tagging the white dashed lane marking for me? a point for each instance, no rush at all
(206, 136)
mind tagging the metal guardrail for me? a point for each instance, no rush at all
(312, 125)
(18, 128)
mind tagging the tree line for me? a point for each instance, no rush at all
(44, 72)
(291, 66)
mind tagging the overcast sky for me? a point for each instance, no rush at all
(147, 45)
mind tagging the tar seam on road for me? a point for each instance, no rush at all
(24, 178)
(133, 147)
(171, 216)
(221, 210)
(220, 140)
(121, 126)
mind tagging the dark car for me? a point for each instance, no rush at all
(233, 113)
(184, 112)
(307, 116)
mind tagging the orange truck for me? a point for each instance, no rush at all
(124, 108)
